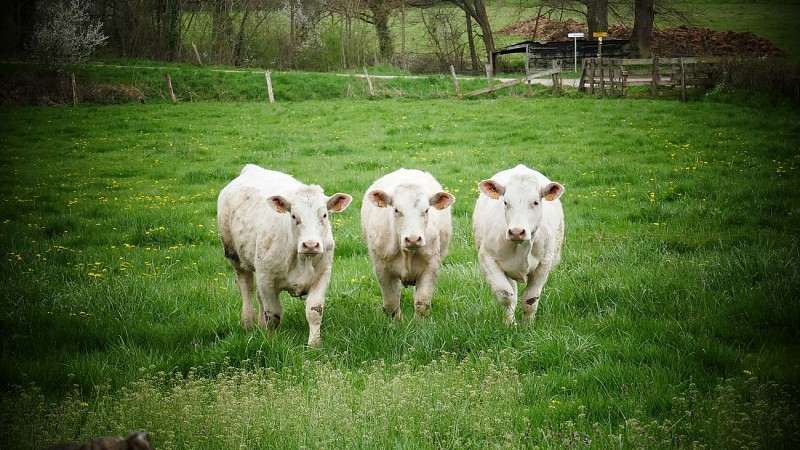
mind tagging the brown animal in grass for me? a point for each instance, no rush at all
(137, 440)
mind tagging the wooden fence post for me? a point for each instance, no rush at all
(74, 90)
(171, 92)
(556, 76)
(602, 77)
(455, 81)
(592, 68)
(197, 54)
(612, 73)
(582, 82)
(654, 82)
(489, 76)
(683, 79)
(369, 82)
(269, 86)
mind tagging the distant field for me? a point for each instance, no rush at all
(672, 320)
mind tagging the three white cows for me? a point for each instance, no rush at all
(406, 221)
(277, 228)
(518, 225)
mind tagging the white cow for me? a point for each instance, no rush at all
(277, 228)
(518, 225)
(406, 221)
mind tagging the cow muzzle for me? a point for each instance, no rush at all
(310, 247)
(413, 242)
(518, 235)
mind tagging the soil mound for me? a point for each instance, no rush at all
(677, 41)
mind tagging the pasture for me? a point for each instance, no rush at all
(671, 320)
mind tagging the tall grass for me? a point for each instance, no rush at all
(671, 320)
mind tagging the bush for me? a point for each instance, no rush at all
(67, 35)
(771, 76)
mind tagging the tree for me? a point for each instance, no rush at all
(381, 10)
(476, 9)
(67, 35)
(596, 15)
(643, 18)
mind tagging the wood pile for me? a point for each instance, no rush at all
(677, 41)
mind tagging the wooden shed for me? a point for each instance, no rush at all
(539, 54)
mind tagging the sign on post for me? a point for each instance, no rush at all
(575, 36)
(600, 35)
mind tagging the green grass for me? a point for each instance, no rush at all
(672, 317)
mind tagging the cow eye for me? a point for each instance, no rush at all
(397, 213)
(425, 213)
(535, 203)
(505, 203)
(325, 216)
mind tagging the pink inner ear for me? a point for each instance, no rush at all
(553, 192)
(442, 200)
(490, 190)
(377, 197)
(341, 202)
(278, 204)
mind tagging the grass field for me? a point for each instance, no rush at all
(672, 320)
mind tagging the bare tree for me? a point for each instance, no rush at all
(67, 35)
(476, 9)
(446, 34)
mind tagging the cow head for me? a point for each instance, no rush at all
(309, 208)
(522, 200)
(410, 207)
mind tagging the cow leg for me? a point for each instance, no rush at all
(315, 303)
(244, 281)
(271, 307)
(503, 288)
(533, 291)
(423, 291)
(390, 290)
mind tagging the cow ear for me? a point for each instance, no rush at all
(552, 191)
(380, 199)
(339, 202)
(279, 204)
(491, 188)
(442, 200)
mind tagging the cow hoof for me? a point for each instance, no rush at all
(528, 319)
(272, 321)
(315, 342)
(396, 314)
(423, 311)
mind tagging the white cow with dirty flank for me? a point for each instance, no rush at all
(406, 221)
(518, 225)
(277, 228)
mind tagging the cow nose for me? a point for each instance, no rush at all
(310, 247)
(413, 241)
(517, 234)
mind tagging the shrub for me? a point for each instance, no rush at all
(67, 35)
(772, 76)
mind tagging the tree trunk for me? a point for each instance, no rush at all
(222, 30)
(380, 17)
(473, 55)
(643, 17)
(596, 15)
(172, 27)
(477, 10)
(237, 49)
